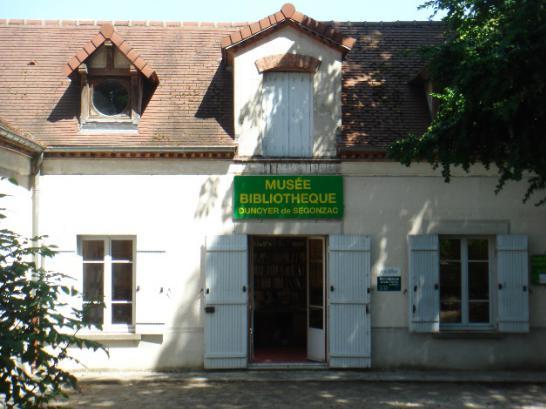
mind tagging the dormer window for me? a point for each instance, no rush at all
(290, 104)
(111, 91)
(112, 77)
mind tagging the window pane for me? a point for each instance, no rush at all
(478, 311)
(450, 312)
(98, 59)
(120, 61)
(450, 249)
(110, 97)
(450, 280)
(316, 288)
(315, 318)
(122, 313)
(93, 250)
(93, 314)
(450, 291)
(478, 281)
(93, 279)
(122, 281)
(122, 250)
(315, 250)
(478, 249)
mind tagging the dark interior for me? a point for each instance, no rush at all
(280, 294)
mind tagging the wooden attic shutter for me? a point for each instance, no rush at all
(288, 111)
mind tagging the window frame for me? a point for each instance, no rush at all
(107, 325)
(465, 324)
(94, 112)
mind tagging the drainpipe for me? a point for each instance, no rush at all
(36, 167)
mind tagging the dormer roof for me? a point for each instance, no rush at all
(107, 32)
(288, 15)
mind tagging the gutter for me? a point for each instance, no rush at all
(20, 141)
(213, 148)
(36, 167)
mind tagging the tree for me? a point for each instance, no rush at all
(489, 79)
(32, 345)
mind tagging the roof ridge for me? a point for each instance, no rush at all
(117, 23)
(177, 23)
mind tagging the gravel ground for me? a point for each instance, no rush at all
(326, 394)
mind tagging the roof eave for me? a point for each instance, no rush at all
(20, 141)
(208, 148)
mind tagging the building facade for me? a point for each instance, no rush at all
(224, 191)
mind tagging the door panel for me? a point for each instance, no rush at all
(226, 301)
(348, 300)
(316, 338)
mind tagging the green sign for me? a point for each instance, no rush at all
(389, 283)
(288, 197)
(538, 269)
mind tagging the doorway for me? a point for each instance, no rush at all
(287, 300)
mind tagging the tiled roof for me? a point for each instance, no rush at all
(193, 103)
(288, 15)
(191, 107)
(380, 100)
(107, 32)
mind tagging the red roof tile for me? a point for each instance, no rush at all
(289, 15)
(107, 32)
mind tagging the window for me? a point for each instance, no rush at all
(108, 281)
(288, 110)
(469, 283)
(465, 277)
(110, 97)
(111, 91)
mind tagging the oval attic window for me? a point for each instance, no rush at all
(110, 97)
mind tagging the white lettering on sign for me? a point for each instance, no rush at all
(389, 272)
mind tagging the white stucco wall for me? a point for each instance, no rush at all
(172, 205)
(18, 202)
(249, 121)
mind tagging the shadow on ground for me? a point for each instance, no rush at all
(238, 395)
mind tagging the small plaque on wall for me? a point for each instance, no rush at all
(389, 279)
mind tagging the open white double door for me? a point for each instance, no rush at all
(346, 338)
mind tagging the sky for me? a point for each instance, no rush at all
(211, 10)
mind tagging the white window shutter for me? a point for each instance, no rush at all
(424, 279)
(288, 114)
(151, 292)
(512, 283)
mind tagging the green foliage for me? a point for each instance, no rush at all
(490, 82)
(34, 331)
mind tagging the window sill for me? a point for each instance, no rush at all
(94, 127)
(288, 159)
(469, 333)
(111, 337)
